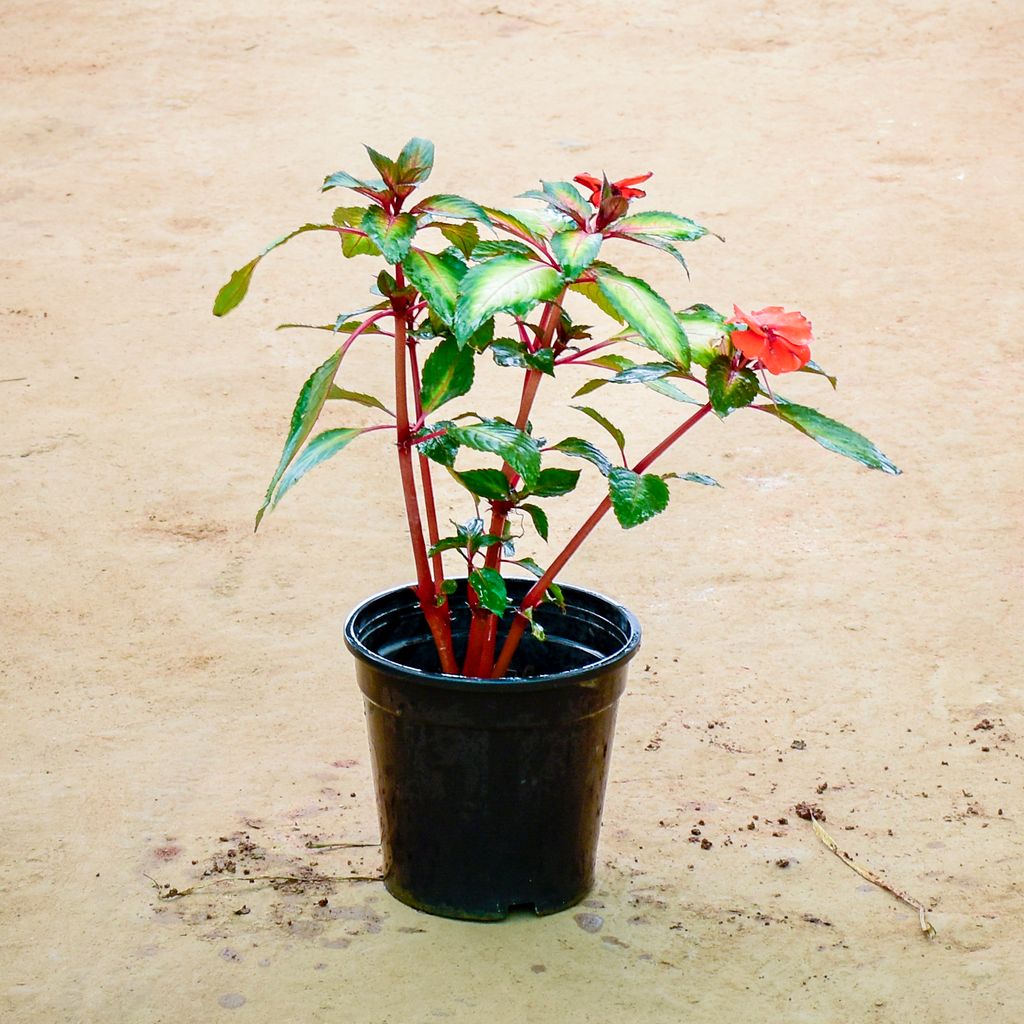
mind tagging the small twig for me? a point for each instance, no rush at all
(341, 846)
(12, 380)
(177, 894)
(926, 927)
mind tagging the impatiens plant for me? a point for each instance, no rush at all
(464, 281)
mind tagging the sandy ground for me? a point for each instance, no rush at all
(175, 689)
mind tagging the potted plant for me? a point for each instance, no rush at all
(491, 691)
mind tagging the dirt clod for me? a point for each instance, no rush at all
(807, 811)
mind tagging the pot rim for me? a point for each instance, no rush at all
(478, 683)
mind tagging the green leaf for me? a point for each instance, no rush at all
(647, 313)
(517, 448)
(349, 216)
(617, 436)
(447, 374)
(235, 290)
(729, 388)
(575, 250)
(385, 166)
(358, 245)
(490, 540)
(661, 225)
(353, 245)
(693, 478)
(636, 498)
(641, 373)
(321, 448)
(340, 326)
(386, 284)
(578, 448)
(489, 248)
(511, 223)
(507, 352)
(448, 544)
(542, 223)
(441, 449)
(415, 162)
(613, 362)
(589, 386)
(341, 395)
(490, 590)
(539, 518)
(536, 629)
(485, 483)
(304, 416)
(831, 434)
(669, 390)
(591, 291)
(664, 246)
(452, 206)
(553, 593)
(471, 540)
(437, 278)
(482, 337)
(508, 284)
(565, 197)
(553, 483)
(531, 566)
(471, 528)
(465, 237)
(812, 367)
(705, 329)
(392, 235)
(342, 179)
(543, 359)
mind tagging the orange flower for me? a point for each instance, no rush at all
(619, 188)
(779, 339)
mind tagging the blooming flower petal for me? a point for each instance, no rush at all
(619, 188)
(774, 336)
(594, 184)
(639, 179)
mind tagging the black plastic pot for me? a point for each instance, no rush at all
(490, 790)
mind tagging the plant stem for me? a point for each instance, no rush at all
(365, 325)
(428, 485)
(480, 624)
(573, 357)
(436, 619)
(539, 589)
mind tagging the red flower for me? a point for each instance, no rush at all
(778, 338)
(619, 188)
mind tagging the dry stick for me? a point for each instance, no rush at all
(436, 619)
(926, 927)
(177, 894)
(539, 589)
(482, 629)
(341, 846)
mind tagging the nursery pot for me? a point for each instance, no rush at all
(490, 790)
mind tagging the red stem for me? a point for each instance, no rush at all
(480, 624)
(436, 618)
(573, 356)
(539, 589)
(428, 485)
(367, 323)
